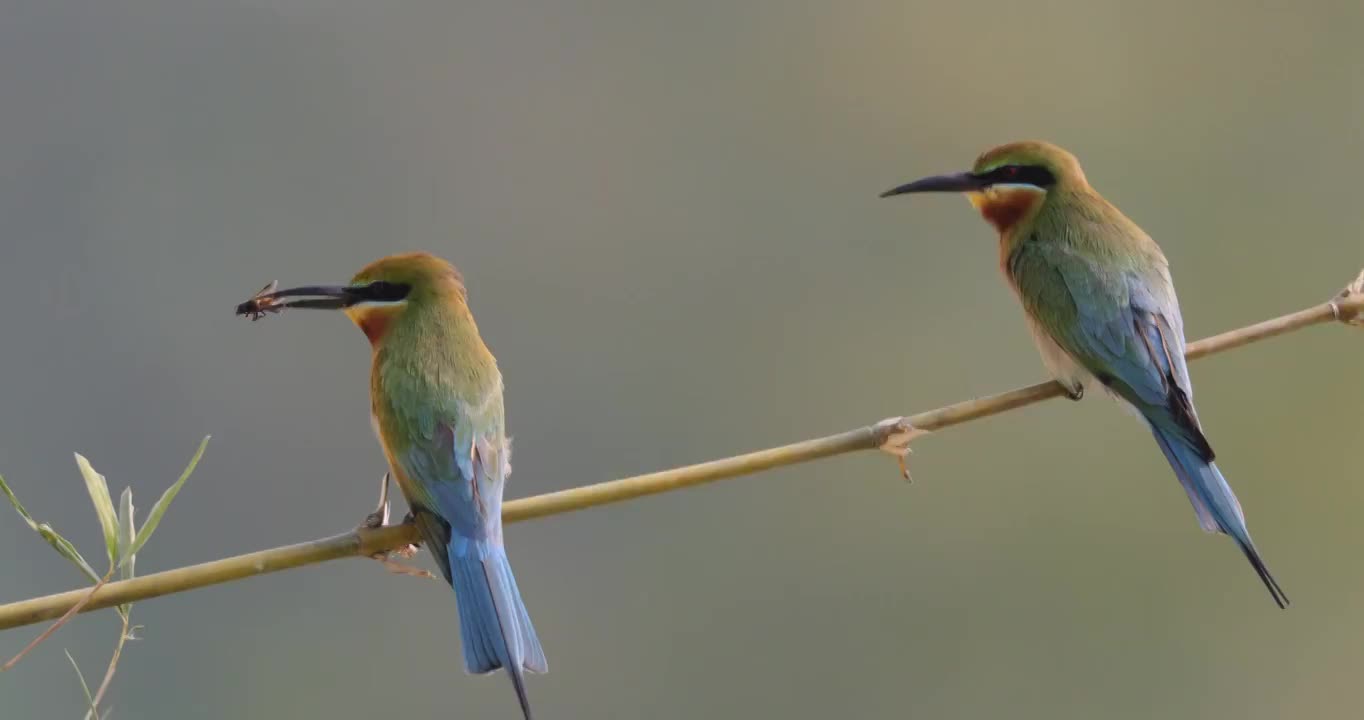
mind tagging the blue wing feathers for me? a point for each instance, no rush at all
(454, 481)
(1125, 328)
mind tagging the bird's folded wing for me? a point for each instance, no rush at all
(1122, 326)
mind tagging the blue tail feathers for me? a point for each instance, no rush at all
(1214, 502)
(494, 626)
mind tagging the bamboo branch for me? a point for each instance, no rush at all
(1347, 307)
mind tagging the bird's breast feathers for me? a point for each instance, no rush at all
(1060, 365)
(374, 319)
(1005, 205)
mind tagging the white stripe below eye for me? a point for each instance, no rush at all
(1018, 186)
(378, 303)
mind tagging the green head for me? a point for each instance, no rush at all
(1009, 183)
(383, 292)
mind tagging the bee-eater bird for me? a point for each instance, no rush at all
(1099, 301)
(436, 403)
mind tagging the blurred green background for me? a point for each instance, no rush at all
(667, 216)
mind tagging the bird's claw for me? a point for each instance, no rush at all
(398, 568)
(378, 519)
(893, 436)
(374, 520)
(410, 550)
(1075, 393)
(406, 552)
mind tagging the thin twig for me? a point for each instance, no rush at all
(1347, 308)
(83, 600)
(109, 671)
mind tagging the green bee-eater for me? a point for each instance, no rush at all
(436, 401)
(1098, 297)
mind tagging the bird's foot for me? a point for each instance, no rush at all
(1075, 392)
(378, 519)
(398, 568)
(893, 436)
(374, 520)
(407, 551)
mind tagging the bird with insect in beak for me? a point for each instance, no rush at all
(1099, 301)
(436, 404)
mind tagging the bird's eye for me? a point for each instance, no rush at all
(384, 291)
(1035, 175)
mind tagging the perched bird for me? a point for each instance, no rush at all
(1098, 298)
(436, 400)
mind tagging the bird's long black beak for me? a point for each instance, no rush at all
(318, 297)
(958, 182)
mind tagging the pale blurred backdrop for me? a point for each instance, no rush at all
(667, 216)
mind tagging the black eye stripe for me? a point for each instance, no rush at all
(1022, 174)
(382, 291)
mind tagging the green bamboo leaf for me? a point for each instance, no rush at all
(104, 505)
(89, 699)
(18, 506)
(159, 509)
(58, 543)
(126, 533)
(67, 550)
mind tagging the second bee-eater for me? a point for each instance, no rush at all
(436, 402)
(1099, 301)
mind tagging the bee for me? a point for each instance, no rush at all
(257, 307)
